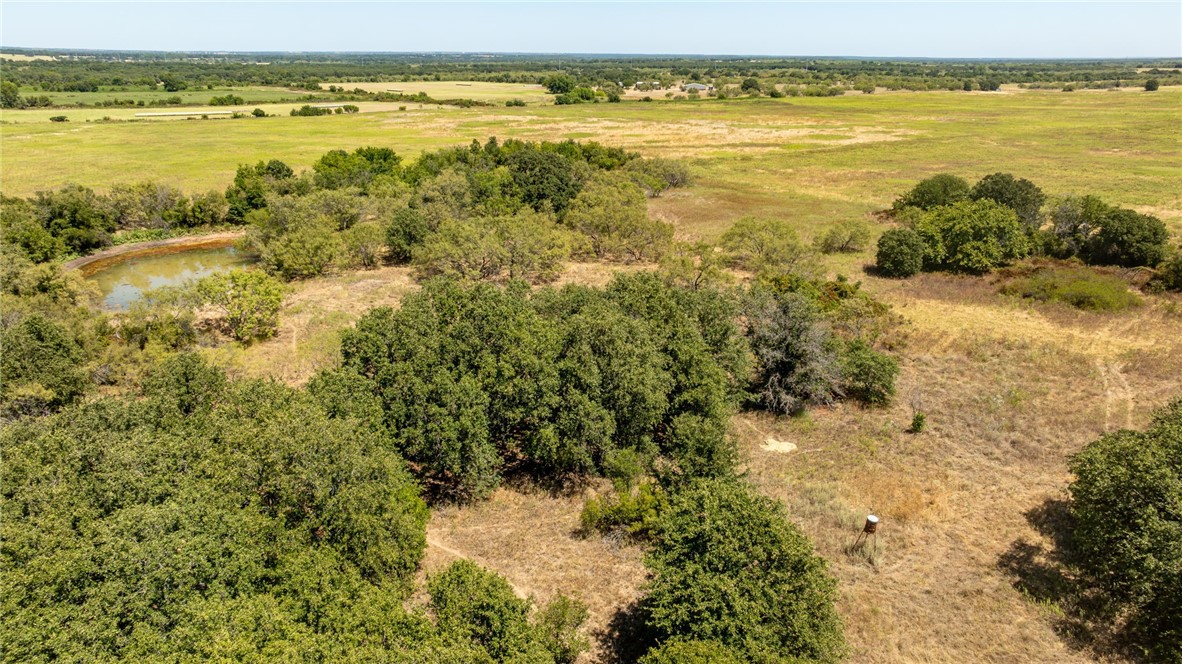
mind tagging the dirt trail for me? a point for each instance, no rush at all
(520, 591)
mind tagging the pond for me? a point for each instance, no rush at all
(124, 279)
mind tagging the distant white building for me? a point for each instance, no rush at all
(696, 87)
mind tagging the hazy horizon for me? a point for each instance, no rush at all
(1072, 30)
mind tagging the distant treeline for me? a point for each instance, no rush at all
(92, 70)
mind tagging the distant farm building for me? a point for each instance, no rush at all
(696, 87)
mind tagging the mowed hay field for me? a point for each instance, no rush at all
(969, 507)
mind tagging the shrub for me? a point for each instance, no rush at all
(847, 236)
(1128, 239)
(1169, 273)
(338, 169)
(1020, 195)
(41, 367)
(1127, 507)
(612, 213)
(971, 236)
(227, 100)
(58, 118)
(1078, 287)
(919, 422)
(943, 189)
(473, 605)
(795, 352)
(408, 228)
(208, 209)
(250, 300)
(655, 175)
(310, 111)
(364, 244)
(559, 623)
(1105, 235)
(900, 253)
(633, 513)
(305, 251)
(515, 102)
(728, 567)
(868, 375)
(543, 179)
(767, 245)
(259, 113)
(526, 246)
(1152, 85)
(149, 205)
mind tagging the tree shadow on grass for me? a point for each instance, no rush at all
(627, 638)
(1050, 577)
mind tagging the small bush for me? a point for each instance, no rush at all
(729, 567)
(259, 113)
(1152, 85)
(868, 375)
(919, 422)
(310, 111)
(1019, 194)
(559, 624)
(1078, 287)
(250, 299)
(848, 236)
(900, 253)
(515, 102)
(631, 513)
(1169, 273)
(59, 118)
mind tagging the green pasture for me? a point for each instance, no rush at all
(192, 96)
(812, 160)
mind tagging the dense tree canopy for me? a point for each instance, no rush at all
(732, 574)
(1019, 194)
(971, 236)
(475, 381)
(1127, 504)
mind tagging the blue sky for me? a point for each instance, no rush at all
(925, 29)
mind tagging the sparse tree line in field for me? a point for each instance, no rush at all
(125, 71)
(512, 210)
(946, 225)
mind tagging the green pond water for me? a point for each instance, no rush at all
(126, 281)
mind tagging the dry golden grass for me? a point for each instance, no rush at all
(530, 538)
(313, 315)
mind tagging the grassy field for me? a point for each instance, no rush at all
(146, 114)
(1010, 388)
(812, 159)
(479, 90)
(193, 96)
